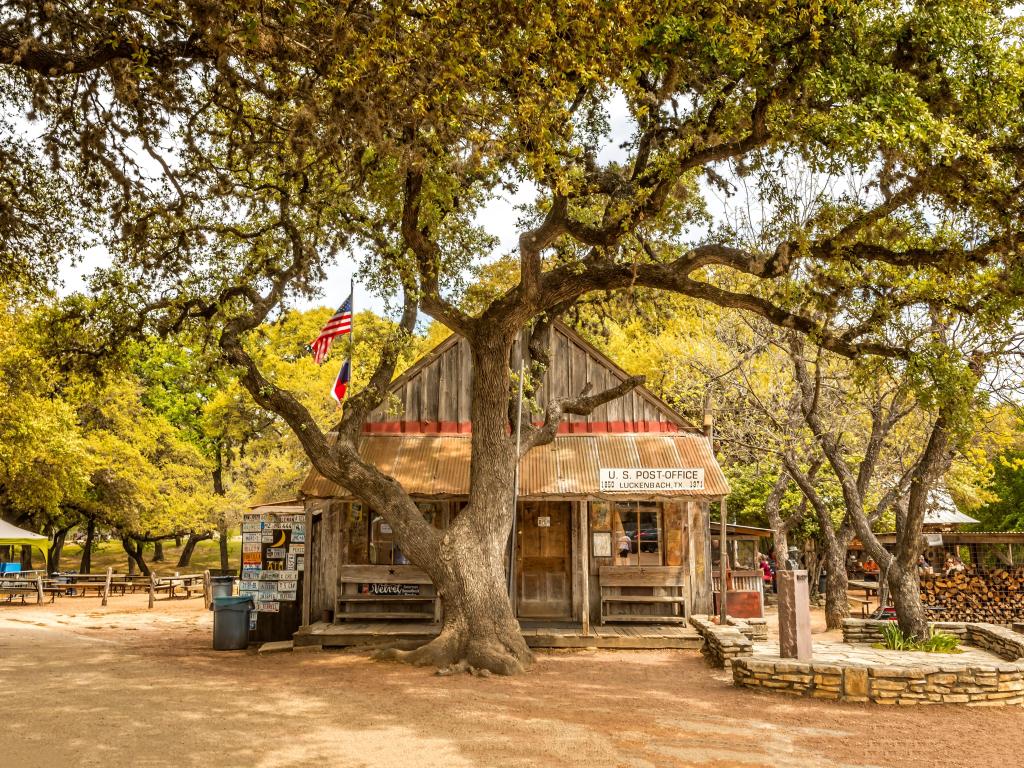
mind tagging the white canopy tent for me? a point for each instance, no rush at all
(12, 535)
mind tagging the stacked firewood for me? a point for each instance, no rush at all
(994, 595)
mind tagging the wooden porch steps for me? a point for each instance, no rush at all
(644, 599)
(634, 618)
(380, 615)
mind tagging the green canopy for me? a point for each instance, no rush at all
(12, 535)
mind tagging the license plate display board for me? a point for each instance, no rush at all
(273, 555)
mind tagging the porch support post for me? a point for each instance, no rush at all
(723, 561)
(583, 564)
(306, 563)
(699, 557)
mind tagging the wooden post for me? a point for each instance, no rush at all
(307, 559)
(723, 590)
(39, 589)
(207, 589)
(106, 585)
(583, 512)
(152, 589)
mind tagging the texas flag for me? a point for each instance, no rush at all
(341, 383)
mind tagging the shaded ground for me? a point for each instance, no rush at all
(123, 686)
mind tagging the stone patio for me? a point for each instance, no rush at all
(988, 672)
(836, 652)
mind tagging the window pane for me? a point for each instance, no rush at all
(624, 533)
(433, 512)
(650, 534)
(384, 550)
(356, 531)
(382, 542)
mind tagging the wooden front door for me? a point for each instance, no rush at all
(543, 560)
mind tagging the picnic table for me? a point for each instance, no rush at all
(20, 587)
(82, 584)
(870, 587)
(172, 584)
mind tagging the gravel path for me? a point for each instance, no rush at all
(123, 686)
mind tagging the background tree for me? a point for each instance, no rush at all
(299, 132)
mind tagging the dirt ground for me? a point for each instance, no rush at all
(125, 686)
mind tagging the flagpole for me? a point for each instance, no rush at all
(515, 486)
(351, 325)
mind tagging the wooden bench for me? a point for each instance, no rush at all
(82, 588)
(662, 585)
(13, 592)
(353, 605)
(13, 588)
(172, 584)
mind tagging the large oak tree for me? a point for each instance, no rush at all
(234, 149)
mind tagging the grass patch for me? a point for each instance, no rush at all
(110, 553)
(936, 642)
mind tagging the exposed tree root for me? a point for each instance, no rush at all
(451, 653)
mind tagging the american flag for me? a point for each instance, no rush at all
(339, 324)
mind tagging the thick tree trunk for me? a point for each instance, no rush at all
(56, 549)
(467, 565)
(134, 551)
(190, 546)
(225, 565)
(218, 488)
(26, 558)
(814, 561)
(90, 534)
(480, 630)
(158, 551)
(837, 604)
(906, 598)
(780, 527)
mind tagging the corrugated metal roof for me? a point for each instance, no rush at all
(942, 510)
(568, 467)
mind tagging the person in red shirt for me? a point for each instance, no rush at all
(870, 568)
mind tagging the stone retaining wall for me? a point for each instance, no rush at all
(993, 638)
(980, 685)
(722, 645)
(755, 630)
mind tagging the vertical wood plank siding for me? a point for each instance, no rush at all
(433, 396)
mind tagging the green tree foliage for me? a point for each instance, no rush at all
(44, 459)
(284, 135)
(75, 444)
(1006, 511)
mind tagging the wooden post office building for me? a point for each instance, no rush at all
(612, 525)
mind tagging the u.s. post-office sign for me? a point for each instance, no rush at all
(651, 479)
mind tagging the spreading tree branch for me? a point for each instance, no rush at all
(581, 405)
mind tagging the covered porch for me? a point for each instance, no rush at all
(538, 634)
(595, 560)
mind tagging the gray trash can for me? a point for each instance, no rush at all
(231, 623)
(222, 586)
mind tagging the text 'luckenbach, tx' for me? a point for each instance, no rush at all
(625, 479)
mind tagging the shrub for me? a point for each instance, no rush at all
(936, 642)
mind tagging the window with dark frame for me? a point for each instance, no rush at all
(642, 533)
(381, 544)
